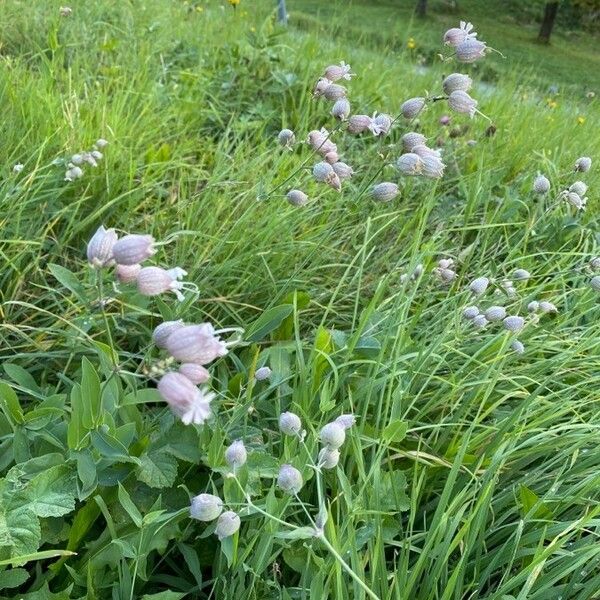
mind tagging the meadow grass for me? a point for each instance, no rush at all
(472, 472)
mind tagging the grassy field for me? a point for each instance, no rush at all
(471, 472)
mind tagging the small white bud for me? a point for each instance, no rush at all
(262, 373)
(517, 347)
(286, 138)
(470, 312)
(297, 198)
(411, 108)
(73, 173)
(18, 168)
(455, 82)
(479, 286)
(533, 306)
(290, 423)
(548, 307)
(332, 435)
(595, 283)
(495, 313)
(328, 458)
(521, 275)
(289, 479)
(583, 164)
(341, 109)
(227, 525)
(236, 454)
(541, 184)
(514, 323)
(579, 188)
(101, 144)
(206, 507)
(409, 164)
(385, 192)
(346, 421)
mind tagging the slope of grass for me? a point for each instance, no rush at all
(472, 472)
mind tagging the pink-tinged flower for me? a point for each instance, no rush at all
(320, 86)
(297, 198)
(100, 247)
(358, 124)
(197, 374)
(411, 108)
(412, 139)
(342, 170)
(380, 124)
(385, 192)
(190, 404)
(341, 71)
(457, 81)
(470, 50)
(334, 92)
(133, 249)
(461, 102)
(409, 164)
(332, 157)
(341, 109)
(457, 35)
(162, 332)
(445, 120)
(196, 344)
(127, 273)
(153, 281)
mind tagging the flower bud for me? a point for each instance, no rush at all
(334, 92)
(206, 507)
(290, 424)
(297, 198)
(195, 344)
(479, 286)
(335, 72)
(445, 263)
(236, 454)
(495, 313)
(470, 50)
(262, 373)
(197, 374)
(445, 120)
(332, 435)
(133, 249)
(385, 192)
(101, 144)
(533, 306)
(574, 199)
(595, 283)
(432, 166)
(319, 141)
(412, 139)
(127, 273)
(289, 479)
(341, 109)
(423, 151)
(77, 159)
(583, 164)
(346, 421)
(595, 263)
(579, 188)
(521, 275)
(479, 322)
(470, 312)
(409, 164)
(460, 102)
(323, 172)
(162, 332)
(381, 125)
(152, 281)
(100, 247)
(456, 82)
(18, 168)
(342, 170)
(97, 155)
(358, 124)
(457, 35)
(514, 323)
(227, 525)
(321, 86)
(517, 347)
(286, 138)
(73, 173)
(332, 158)
(445, 275)
(328, 458)
(411, 108)
(548, 307)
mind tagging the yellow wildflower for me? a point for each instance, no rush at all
(411, 44)
(581, 120)
(233, 3)
(551, 103)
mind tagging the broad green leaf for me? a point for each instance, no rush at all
(268, 322)
(163, 596)
(157, 469)
(90, 394)
(10, 404)
(68, 279)
(19, 532)
(301, 533)
(21, 377)
(395, 431)
(12, 578)
(52, 492)
(129, 506)
(530, 501)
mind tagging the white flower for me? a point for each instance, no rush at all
(18, 168)
(236, 454)
(514, 323)
(206, 507)
(332, 435)
(479, 286)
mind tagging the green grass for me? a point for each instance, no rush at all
(472, 472)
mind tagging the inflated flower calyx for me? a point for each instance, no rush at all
(381, 125)
(297, 198)
(206, 507)
(517, 347)
(521, 275)
(127, 273)
(286, 138)
(197, 374)
(432, 166)
(480, 322)
(457, 35)
(495, 313)
(385, 192)
(547, 307)
(189, 403)
(412, 107)
(290, 479)
(341, 109)
(579, 187)
(342, 170)
(227, 524)
(541, 185)
(514, 323)
(262, 373)
(470, 50)
(328, 458)
(236, 454)
(100, 247)
(153, 281)
(290, 424)
(332, 435)
(133, 249)
(583, 164)
(409, 164)
(479, 286)
(470, 312)
(196, 344)
(457, 82)
(595, 283)
(533, 306)
(358, 124)
(412, 139)
(341, 71)
(162, 332)
(459, 101)
(334, 92)
(346, 421)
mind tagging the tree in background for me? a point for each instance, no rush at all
(550, 10)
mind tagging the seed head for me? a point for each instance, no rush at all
(409, 164)
(133, 249)
(332, 435)
(236, 454)
(328, 458)
(197, 374)
(579, 188)
(411, 140)
(595, 283)
(411, 108)
(286, 138)
(470, 50)
(342, 170)
(334, 92)
(457, 82)
(514, 323)
(533, 306)
(459, 101)
(341, 71)
(548, 307)
(456, 35)
(583, 164)
(341, 109)
(495, 313)
(290, 424)
(289, 479)
(227, 524)
(162, 332)
(385, 192)
(262, 373)
(358, 124)
(100, 247)
(521, 275)
(297, 198)
(127, 273)
(517, 347)
(470, 312)
(206, 507)
(479, 286)
(196, 344)
(346, 421)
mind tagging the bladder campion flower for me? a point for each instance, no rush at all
(412, 107)
(521, 274)
(236, 454)
(334, 92)
(341, 71)
(583, 164)
(595, 283)
(290, 423)
(457, 82)
(100, 248)
(358, 124)
(579, 188)
(470, 50)
(133, 249)
(206, 507)
(286, 138)
(195, 344)
(341, 109)
(290, 479)
(127, 273)
(457, 35)
(470, 312)
(153, 281)
(228, 523)
(161, 332)
(385, 192)
(409, 164)
(332, 435)
(412, 139)
(541, 184)
(189, 403)
(346, 421)
(514, 323)
(342, 170)
(459, 101)
(262, 373)
(495, 313)
(297, 198)
(517, 347)
(328, 458)
(197, 374)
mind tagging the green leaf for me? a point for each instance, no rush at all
(43, 555)
(129, 506)
(391, 493)
(13, 578)
(395, 431)
(86, 471)
(530, 501)
(68, 279)
(163, 596)
(20, 532)
(267, 322)
(111, 447)
(157, 469)
(52, 492)
(9, 402)
(90, 394)
(301, 533)
(23, 378)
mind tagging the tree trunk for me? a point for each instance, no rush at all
(421, 9)
(550, 11)
(281, 12)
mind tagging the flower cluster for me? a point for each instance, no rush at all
(207, 507)
(574, 194)
(77, 161)
(127, 254)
